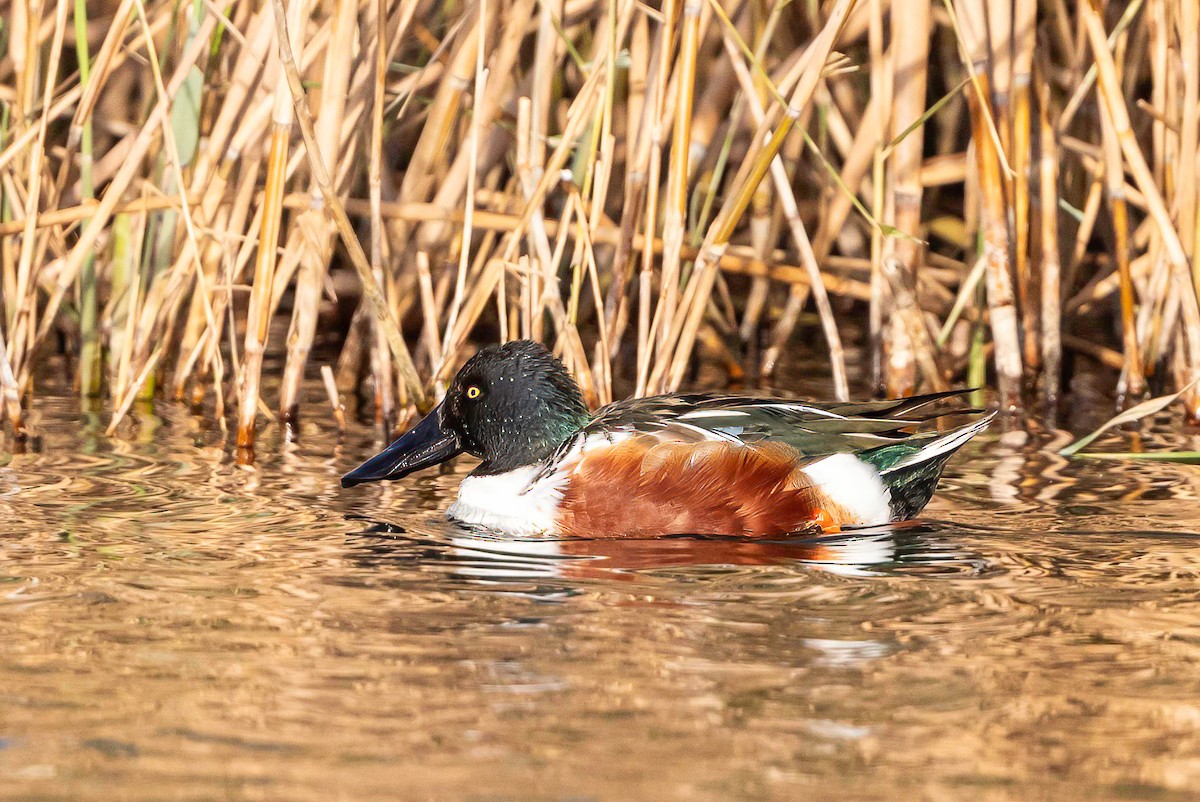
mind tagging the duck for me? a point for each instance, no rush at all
(703, 464)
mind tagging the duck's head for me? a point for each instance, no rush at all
(511, 405)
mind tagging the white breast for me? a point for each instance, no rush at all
(510, 502)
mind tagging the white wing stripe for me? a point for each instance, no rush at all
(803, 408)
(713, 413)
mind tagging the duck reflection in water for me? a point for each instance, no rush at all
(914, 548)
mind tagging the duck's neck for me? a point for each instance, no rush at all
(535, 441)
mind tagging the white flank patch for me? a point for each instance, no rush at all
(853, 485)
(510, 502)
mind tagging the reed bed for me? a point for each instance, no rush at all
(975, 189)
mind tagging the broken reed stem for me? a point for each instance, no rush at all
(335, 401)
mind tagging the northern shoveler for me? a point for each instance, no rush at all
(703, 464)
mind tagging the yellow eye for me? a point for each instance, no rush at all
(474, 392)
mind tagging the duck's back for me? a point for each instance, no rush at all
(730, 465)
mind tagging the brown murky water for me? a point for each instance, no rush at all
(177, 627)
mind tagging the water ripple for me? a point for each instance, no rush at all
(177, 625)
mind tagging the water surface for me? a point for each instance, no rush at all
(175, 626)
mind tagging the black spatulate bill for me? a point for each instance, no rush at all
(428, 443)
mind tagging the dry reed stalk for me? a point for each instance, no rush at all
(335, 402)
(675, 205)
(460, 282)
(1024, 43)
(90, 373)
(258, 319)
(18, 49)
(1157, 31)
(1159, 315)
(223, 301)
(854, 176)
(429, 328)
(619, 169)
(1187, 205)
(318, 243)
(1114, 104)
(1001, 303)
(603, 361)
(654, 139)
(123, 302)
(669, 372)
(21, 320)
(908, 311)
(132, 309)
(575, 356)
(384, 400)
(100, 216)
(11, 393)
(1087, 221)
(912, 26)
(123, 403)
(637, 158)
(882, 81)
(1083, 85)
(358, 259)
(191, 253)
(1131, 385)
(998, 25)
(791, 213)
(762, 233)
(453, 184)
(1051, 292)
(108, 58)
(431, 147)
